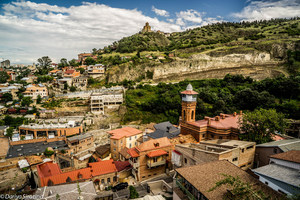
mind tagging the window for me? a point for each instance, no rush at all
(203, 135)
(108, 180)
(114, 149)
(234, 159)
(185, 160)
(130, 138)
(135, 137)
(149, 175)
(102, 181)
(155, 159)
(129, 145)
(115, 178)
(114, 142)
(135, 143)
(243, 150)
(220, 137)
(250, 147)
(275, 150)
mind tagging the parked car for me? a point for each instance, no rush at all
(120, 186)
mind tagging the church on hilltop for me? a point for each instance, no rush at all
(224, 126)
(147, 29)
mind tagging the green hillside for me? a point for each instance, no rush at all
(278, 37)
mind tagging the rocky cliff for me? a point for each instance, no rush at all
(258, 65)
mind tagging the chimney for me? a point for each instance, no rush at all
(217, 118)
(222, 116)
(241, 112)
(208, 121)
(206, 118)
(234, 114)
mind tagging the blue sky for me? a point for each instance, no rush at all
(35, 28)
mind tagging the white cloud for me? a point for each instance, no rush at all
(258, 10)
(190, 16)
(30, 30)
(160, 12)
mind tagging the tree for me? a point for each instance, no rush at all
(66, 86)
(9, 131)
(259, 125)
(81, 70)
(133, 193)
(39, 99)
(89, 61)
(72, 88)
(239, 189)
(3, 77)
(73, 63)
(44, 63)
(26, 101)
(6, 97)
(64, 62)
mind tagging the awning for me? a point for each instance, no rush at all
(156, 153)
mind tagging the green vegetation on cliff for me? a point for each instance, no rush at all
(233, 93)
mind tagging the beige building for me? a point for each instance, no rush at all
(80, 142)
(123, 138)
(106, 99)
(34, 90)
(240, 153)
(150, 158)
(96, 71)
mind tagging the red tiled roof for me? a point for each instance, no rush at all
(80, 174)
(48, 169)
(156, 153)
(124, 132)
(70, 71)
(102, 167)
(230, 121)
(133, 153)
(122, 165)
(292, 156)
(189, 92)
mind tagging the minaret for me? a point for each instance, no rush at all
(188, 104)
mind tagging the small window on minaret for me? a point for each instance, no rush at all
(192, 117)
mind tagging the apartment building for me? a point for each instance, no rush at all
(50, 130)
(105, 99)
(80, 143)
(96, 71)
(150, 158)
(125, 137)
(195, 182)
(80, 82)
(34, 90)
(239, 153)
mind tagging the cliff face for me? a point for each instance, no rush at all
(199, 66)
(255, 65)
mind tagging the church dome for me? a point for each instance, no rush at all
(189, 87)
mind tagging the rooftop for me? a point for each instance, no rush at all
(103, 149)
(164, 129)
(68, 191)
(280, 173)
(122, 165)
(156, 153)
(154, 144)
(33, 148)
(284, 145)
(79, 137)
(291, 156)
(48, 126)
(204, 176)
(228, 122)
(123, 132)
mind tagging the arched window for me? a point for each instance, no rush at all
(69, 180)
(50, 183)
(184, 117)
(192, 117)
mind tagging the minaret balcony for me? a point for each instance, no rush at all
(189, 98)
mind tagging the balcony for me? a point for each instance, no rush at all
(134, 165)
(155, 164)
(185, 191)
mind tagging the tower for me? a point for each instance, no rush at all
(188, 104)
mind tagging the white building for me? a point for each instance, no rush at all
(108, 99)
(34, 90)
